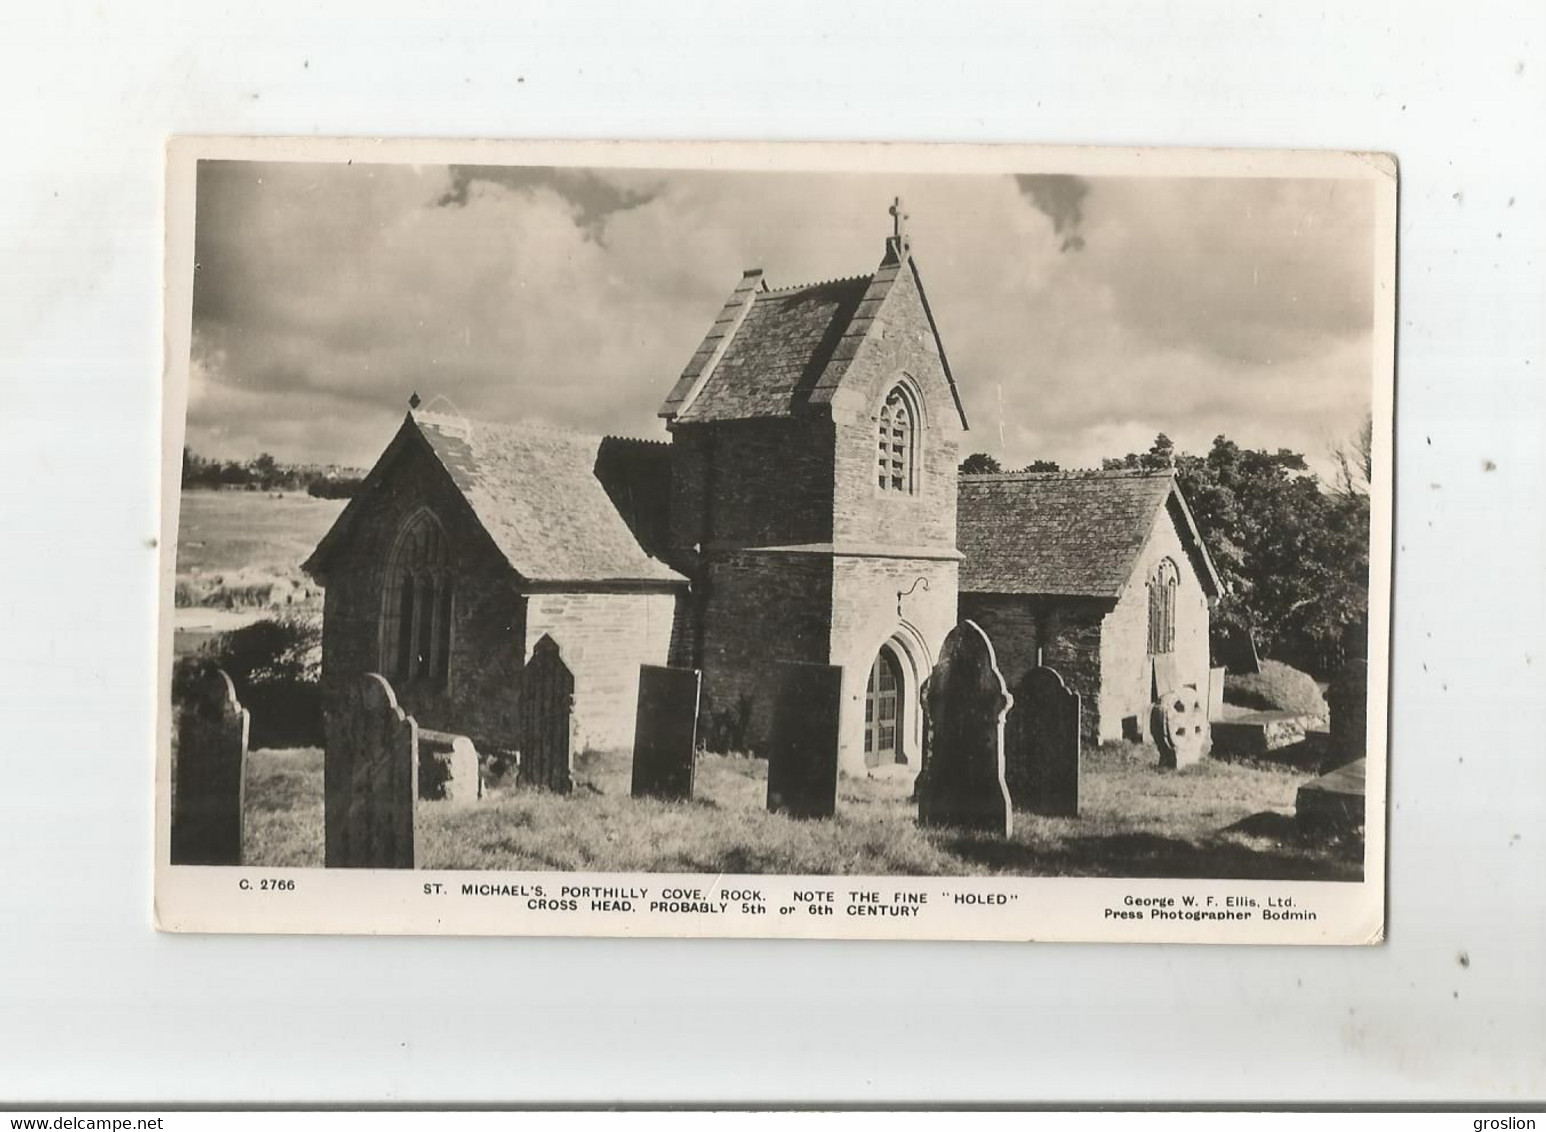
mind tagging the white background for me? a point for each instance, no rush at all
(95, 1005)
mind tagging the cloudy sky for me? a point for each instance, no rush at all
(1085, 314)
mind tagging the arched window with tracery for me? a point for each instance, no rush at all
(416, 607)
(1163, 584)
(897, 444)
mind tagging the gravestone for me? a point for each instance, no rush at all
(1179, 721)
(665, 735)
(448, 768)
(542, 725)
(1348, 699)
(1166, 674)
(370, 777)
(211, 773)
(1216, 678)
(1237, 651)
(1042, 745)
(802, 758)
(962, 780)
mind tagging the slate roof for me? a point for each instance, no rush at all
(536, 492)
(778, 353)
(772, 352)
(1067, 534)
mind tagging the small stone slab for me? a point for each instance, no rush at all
(542, 724)
(1333, 802)
(962, 782)
(665, 735)
(1257, 734)
(1180, 725)
(370, 777)
(1042, 745)
(212, 731)
(803, 755)
(449, 768)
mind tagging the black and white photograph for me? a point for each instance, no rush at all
(773, 540)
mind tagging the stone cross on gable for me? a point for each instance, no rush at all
(898, 221)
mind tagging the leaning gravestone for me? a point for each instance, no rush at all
(665, 735)
(802, 760)
(1041, 745)
(211, 773)
(543, 722)
(962, 781)
(1180, 726)
(370, 777)
(1348, 699)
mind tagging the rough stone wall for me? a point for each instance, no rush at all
(899, 342)
(603, 638)
(864, 617)
(1125, 667)
(1068, 632)
(486, 628)
(752, 483)
(758, 608)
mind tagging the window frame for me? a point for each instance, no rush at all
(418, 597)
(1164, 588)
(881, 441)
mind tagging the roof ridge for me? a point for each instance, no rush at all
(1071, 474)
(526, 426)
(637, 439)
(867, 277)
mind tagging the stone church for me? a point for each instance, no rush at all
(804, 508)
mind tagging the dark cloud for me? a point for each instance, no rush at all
(593, 197)
(1059, 196)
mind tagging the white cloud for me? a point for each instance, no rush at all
(326, 294)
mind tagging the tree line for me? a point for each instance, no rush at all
(1291, 549)
(264, 473)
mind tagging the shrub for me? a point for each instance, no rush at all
(284, 648)
(275, 665)
(1277, 688)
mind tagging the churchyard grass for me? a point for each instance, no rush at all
(1223, 820)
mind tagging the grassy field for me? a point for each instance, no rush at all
(222, 531)
(1223, 820)
(239, 556)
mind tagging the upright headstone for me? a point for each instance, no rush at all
(1348, 699)
(962, 780)
(1042, 745)
(543, 720)
(449, 769)
(370, 777)
(1166, 675)
(802, 759)
(1180, 726)
(1216, 677)
(665, 735)
(211, 773)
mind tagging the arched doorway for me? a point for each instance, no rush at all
(884, 741)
